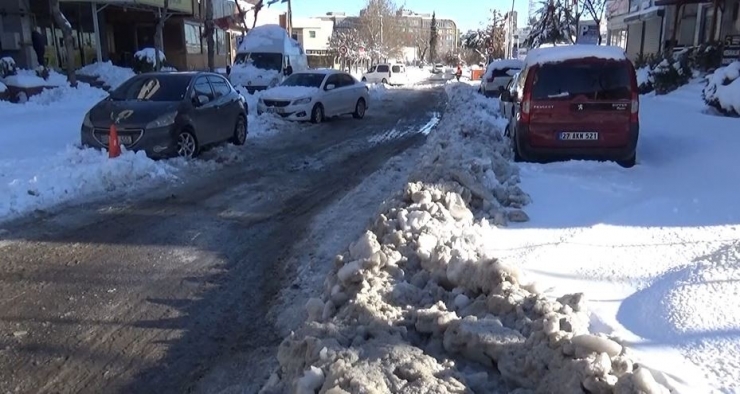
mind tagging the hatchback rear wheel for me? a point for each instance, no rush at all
(630, 162)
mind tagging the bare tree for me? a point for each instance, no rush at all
(595, 9)
(420, 40)
(491, 35)
(158, 36)
(380, 29)
(208, 31)
(62, 22)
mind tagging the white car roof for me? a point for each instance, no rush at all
(557, 54)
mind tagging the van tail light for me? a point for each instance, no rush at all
(635, 108)
(526, 112)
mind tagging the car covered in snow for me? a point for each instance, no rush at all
(316, 95)
(266, 56)
(578, 101)
(498, 74)
(168, 114)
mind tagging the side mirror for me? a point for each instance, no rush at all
(330, 86)
(228, 70)
(200, 100)
(505, 95)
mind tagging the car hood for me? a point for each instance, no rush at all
(135, 113)
(288, 93)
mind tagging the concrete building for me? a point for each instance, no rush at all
(114, 30)
(314, 35)
(649, 27)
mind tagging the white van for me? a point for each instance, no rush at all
(265, 57)
(391, 74)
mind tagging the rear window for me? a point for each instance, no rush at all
(397, 69)
(595, 80)
(506, 72)
(382, 69)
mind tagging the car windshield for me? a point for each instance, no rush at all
(264, 61)
(599, 80)
(309, 80)
(170, 87)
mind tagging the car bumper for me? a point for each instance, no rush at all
(624, 152)
(299, 112)
(156, 143)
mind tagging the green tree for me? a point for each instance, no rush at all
(433, 36)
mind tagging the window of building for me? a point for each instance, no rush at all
(193, 42)
(220, 39)
(311, 34)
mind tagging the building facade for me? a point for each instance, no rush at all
(114, 30)
(314, 34)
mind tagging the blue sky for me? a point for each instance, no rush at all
(468, 14)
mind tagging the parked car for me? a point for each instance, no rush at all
(169, 114)
(576, 102)
(315, 95)
(391, 74)
(438, 68)
(498, 74)
(506, 107)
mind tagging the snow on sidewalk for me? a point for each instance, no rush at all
(655, 248)
(416, 305)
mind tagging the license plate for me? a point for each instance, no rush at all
(274, 110)
(579, 136)
(122, 139)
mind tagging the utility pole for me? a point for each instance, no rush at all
(381, 30)
(512, 22)
(290, 19)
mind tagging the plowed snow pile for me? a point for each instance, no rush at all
(416, 306)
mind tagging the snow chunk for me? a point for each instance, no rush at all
(25, 81)
(3, 88)
(311, 381)
(558, 54)
(149, 55)
(111, 75)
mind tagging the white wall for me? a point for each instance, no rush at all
(321, 29)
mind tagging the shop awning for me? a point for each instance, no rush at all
(182, 7)
(680, 2)
(648, 13)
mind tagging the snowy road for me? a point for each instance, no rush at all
(149, 296)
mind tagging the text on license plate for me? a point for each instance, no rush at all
(122, 139)
(274, 110)
(579, 136)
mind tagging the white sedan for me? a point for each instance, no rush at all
(316, 95)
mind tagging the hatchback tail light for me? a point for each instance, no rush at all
(526, 111)
(635, 108)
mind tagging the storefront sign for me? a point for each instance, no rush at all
(731, 51)
(588, 34)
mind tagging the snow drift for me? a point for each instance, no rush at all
(723, 89)
(416, 305)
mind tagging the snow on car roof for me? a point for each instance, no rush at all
(505, 63)
(558, 54)
(266, 37)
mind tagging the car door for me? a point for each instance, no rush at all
(204, 115)
(517, 93)
(383, 72)
(348, 93)
(332, 98)
(226, 107)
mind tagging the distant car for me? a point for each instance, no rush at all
(391, 74)
(438, 68)
(576, 101)
(169, 114)
(316, 95)
(498, 74)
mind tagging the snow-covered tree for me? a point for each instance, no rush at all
(380, 29)
(555, 24)
(491, 35)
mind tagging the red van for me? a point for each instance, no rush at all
(578, 101)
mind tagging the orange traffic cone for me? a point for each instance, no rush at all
(114, 146)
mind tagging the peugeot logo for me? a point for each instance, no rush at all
(580, 107)
(123, 115)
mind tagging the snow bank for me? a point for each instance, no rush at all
(3, 88)
(111, 75)
(247, 74)
(557, 54)
(723, 89)
(289, 92)
(416, 305)
(25, 81)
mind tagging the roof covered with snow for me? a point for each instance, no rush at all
(564, 53)
(265, 38)
(504, 64)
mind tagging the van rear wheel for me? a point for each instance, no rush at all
(384, 81)
(630, 162)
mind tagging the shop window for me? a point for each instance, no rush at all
(193, 41)
(312, 34)
(220, 40)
